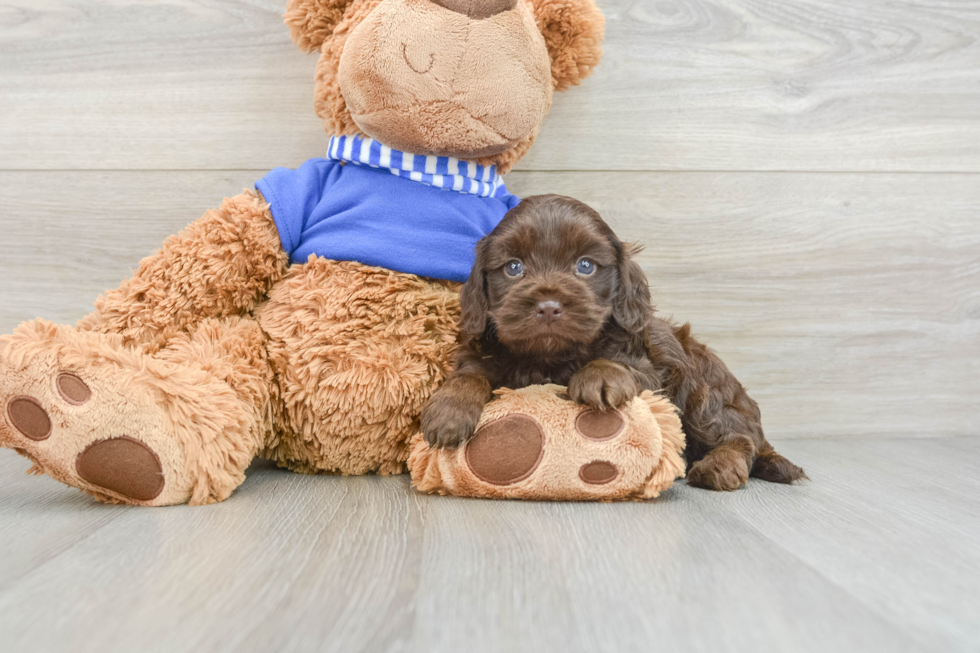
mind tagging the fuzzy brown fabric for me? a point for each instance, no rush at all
(216, 350)
(555, 297)
(356, 351)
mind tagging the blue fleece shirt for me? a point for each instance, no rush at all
(368, 203)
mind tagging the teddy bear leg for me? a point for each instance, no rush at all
(126, 427)
(357, 352)
(221, 265)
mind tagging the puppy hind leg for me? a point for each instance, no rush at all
(726, 467)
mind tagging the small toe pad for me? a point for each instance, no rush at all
(72, 389)
(29, 417)
(599, 424)
(598, 472)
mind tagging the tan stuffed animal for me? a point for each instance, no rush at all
(308, 322)
(535, 443)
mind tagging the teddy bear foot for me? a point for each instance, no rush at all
(535, 443)
(102, 417)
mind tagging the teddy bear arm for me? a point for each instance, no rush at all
(219, 266)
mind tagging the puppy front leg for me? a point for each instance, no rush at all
(450, 417)
(604, 384)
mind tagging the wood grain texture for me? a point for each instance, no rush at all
(877, 553)
(848, 304)
(685, 85)
(934, 500)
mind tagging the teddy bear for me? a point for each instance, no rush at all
(308, 320)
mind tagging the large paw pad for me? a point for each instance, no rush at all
(124, 466)
(506, 451)
(72, 389)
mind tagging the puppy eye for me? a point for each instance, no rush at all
(514, 268)
(585, 266)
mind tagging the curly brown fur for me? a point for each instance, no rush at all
(604, 342)
(723, 424)
(452, 414)
(382, 341)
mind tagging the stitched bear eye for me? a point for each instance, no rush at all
(514, 268)
(585, 266)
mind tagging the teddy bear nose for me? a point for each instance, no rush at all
(477, 9)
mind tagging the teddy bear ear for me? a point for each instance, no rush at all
(573, 31)
(312, 21)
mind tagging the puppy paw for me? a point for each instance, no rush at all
(720, 471)
(604, 385)
(449, 420)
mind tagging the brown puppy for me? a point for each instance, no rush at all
(555, 297)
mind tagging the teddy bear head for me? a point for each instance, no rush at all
(470, 79)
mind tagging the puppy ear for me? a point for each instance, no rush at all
(573, 31)
(311, 22)
(632, 306)
(473, 301)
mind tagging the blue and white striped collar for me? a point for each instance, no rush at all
(442, 172)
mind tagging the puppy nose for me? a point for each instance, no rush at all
(477, 9)
(550, 311)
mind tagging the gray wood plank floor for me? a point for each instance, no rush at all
(879, 552)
